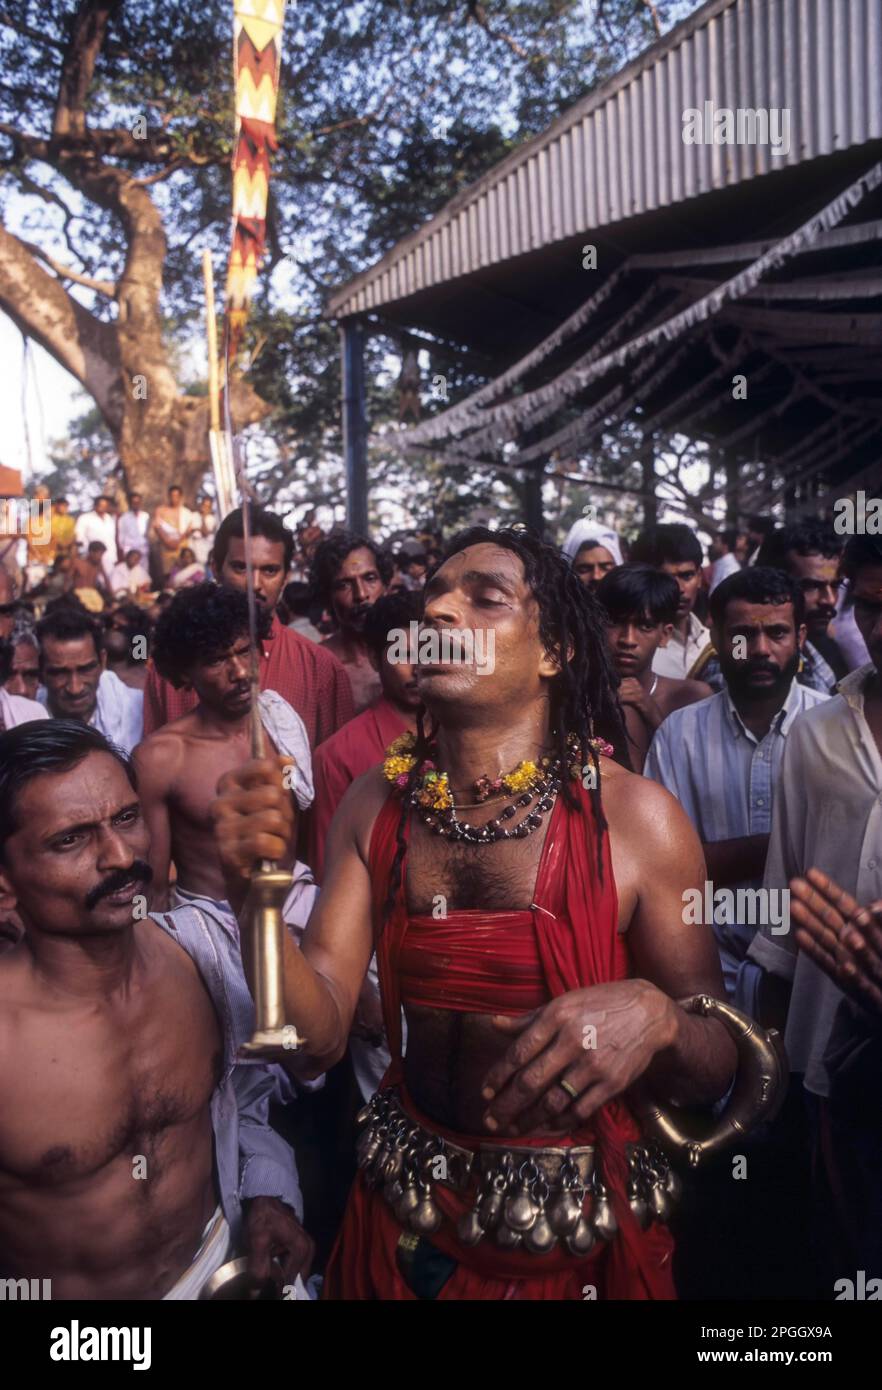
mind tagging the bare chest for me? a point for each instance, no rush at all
(204, 763)
(639, 737)
(495, 877)
(82, 1089)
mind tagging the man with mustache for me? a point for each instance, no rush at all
(202, 644)
(810, 553)
(722, 760)
(722, 757)
(527, 918)
(73, 669)
(828, 818)
(135, 1155)
(304, 673)
(349, 574)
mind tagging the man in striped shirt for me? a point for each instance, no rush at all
(721, 757)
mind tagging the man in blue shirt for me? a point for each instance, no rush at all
(721, 757)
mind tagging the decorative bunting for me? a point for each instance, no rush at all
(257, 54)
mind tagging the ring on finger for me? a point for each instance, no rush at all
(569, 1088)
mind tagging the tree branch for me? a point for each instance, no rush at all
(40, 307)
(655, 19)
(81, 52)
(105, 287)
(478, 13)
(45, 40)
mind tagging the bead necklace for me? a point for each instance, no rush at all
(431, 797)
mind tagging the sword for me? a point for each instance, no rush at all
(269, 884)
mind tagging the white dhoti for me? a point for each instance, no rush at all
(212, 1253)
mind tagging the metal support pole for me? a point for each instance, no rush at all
(650, 504)
(731, 492)
(533, 513)
(352, 338)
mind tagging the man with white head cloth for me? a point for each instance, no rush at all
(592, 550)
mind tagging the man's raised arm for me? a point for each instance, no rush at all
(253, 818)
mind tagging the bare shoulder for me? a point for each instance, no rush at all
(16, 994)
(675, 694)
(160, 755)
(362, 803)
(698, 690)
(642, 812)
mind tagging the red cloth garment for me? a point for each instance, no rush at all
(352, 750)
(311, 679)
(478, 962)
(570, 942)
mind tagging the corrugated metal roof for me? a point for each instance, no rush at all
(620, 151)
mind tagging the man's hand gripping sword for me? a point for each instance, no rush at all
(269, 885)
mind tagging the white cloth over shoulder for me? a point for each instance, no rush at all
(119, 714)
(721, 569)
(288, 733)
(15, 710)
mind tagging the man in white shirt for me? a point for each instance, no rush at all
(131, 530)
(129, 576)
(98, 525)
(204, 527)
(14, 709)
(828, 816)
(675, 549)
(722, 554)
(72, 668)
(721, 758)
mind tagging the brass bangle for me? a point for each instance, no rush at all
(758, 1093)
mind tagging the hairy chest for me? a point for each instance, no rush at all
(82, 1089)
(495, 877)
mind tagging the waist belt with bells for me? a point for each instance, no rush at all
(526, 1198)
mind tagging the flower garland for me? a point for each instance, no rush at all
(432, 791)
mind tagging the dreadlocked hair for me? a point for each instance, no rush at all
(583, 699)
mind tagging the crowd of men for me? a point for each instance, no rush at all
(676, 728)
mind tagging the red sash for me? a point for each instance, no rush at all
(576, 918)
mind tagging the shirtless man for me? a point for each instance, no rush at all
(125, 1123)
(88, 570)
(500, 1038)
(349, 574)
(641, 605)
(202, 644)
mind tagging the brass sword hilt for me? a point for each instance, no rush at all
(269, 888)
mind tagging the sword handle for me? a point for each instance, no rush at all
(269, 888)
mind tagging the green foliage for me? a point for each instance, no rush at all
(388, 109)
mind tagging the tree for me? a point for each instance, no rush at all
(116, 125)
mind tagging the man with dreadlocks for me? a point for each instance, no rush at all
(525, 897)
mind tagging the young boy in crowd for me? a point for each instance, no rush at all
(641, 605)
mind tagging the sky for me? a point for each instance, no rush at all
(40, 401)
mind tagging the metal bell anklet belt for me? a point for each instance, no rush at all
(527, 1198)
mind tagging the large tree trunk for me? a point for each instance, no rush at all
(166, 441)
(161, 435)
